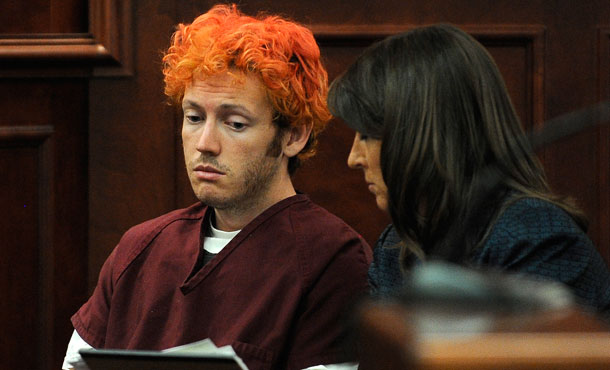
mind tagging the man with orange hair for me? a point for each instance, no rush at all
(253, 264)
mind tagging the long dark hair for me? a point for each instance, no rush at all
(436, 99)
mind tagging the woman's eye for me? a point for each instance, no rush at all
(363, 137)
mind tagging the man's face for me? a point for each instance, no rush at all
(231, 146)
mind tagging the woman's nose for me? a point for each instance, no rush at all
(356, 159)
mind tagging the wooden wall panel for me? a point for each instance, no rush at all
(46, 53)
(27, 310)
(571, 83)
(35, 16)
(44, 193)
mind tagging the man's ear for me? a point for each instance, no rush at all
(296, 138)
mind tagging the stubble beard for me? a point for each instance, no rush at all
(255, 185)
(257, 177)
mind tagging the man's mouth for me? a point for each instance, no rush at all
(207, 172)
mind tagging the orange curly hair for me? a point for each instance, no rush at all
(284, 54)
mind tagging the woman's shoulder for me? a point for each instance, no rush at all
(522, 204)
(534, 215)
(529, 225)
(385, 276)
(388, 238)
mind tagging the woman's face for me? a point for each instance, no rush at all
(365, 155)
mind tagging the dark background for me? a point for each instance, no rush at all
(89, 147)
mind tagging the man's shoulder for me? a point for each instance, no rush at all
(193, 212)
(318, 219)
(137, 238)
(140, 235)
(322, 235)
(322, 239)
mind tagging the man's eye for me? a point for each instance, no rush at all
(363, 137)
(193, 118)
(236, 125)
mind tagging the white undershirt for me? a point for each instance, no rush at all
(217, 239)
(214, 243)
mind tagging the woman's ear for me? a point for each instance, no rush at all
(296, 138)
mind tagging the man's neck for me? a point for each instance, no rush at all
(232, 219)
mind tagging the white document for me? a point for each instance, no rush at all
(207, 348)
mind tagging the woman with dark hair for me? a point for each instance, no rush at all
(445, 154)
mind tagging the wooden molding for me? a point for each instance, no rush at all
(104, 51)
(603, 79)
(110, 24)
(24, 134)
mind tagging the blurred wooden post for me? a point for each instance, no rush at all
(566, 340)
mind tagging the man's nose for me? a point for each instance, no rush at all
(209, 139)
